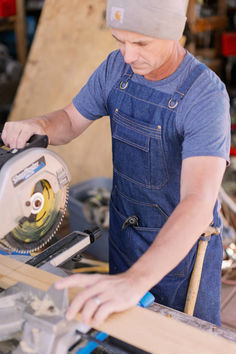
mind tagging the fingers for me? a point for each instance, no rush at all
(88, 300)
(16, 134)
(103, 312)
(92, 307)
(22, 139)
(89, 309)
(77, 280)
(7, 137)
(84, 302)
(101, 296)
(87, 306)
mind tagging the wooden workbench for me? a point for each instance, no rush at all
(140, 327)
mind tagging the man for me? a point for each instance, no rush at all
(170, 132)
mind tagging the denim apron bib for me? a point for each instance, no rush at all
(146, 186)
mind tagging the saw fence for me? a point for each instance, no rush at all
(140, 327)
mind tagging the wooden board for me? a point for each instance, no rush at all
(145, 329)
(70, 42)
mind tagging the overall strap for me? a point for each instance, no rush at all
(126, 77)
(183, 89)
(129, 71)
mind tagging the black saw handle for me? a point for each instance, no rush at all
(35, 140)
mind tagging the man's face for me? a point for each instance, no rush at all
(144, 54)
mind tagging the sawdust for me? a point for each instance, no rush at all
(45, 307)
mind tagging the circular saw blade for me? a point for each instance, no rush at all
(47, 212)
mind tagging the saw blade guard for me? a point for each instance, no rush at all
(33, 199)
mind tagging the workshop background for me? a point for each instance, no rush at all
(48, 50)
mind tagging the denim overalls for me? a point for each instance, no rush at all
(146, 184)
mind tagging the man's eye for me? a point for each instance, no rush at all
(142, 44)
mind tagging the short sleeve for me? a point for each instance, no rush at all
(92, 99)
(206, 127)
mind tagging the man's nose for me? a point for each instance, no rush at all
(130, 53)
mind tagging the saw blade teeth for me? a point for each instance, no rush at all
(48, 238)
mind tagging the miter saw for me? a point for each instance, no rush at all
(33, 198)
(33, 195)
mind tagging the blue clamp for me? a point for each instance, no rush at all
(93, 345)
(146, 300)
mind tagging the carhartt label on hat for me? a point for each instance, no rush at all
(117, 14)
(163, 19)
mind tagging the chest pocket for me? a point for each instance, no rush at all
(138, 154)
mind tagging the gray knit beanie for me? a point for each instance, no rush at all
(154, 18)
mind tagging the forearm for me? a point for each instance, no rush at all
(60, 126)
(183, 228)
(57, 126)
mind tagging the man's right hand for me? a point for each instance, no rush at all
(16, 134)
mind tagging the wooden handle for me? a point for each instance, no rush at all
(195, 278)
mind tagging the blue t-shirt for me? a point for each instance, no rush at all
(203, 120)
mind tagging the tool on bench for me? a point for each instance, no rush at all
(197, 269)
(33, 195)
(40, 316)
(33, 199)
(36, 320)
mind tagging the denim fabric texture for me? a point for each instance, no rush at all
(147, 159)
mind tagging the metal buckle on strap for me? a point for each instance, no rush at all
(123, 85)
(175, 104)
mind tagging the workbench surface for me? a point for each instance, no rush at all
(140, 327)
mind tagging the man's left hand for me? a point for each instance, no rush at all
(101, 296)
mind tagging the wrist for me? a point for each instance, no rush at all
(142, 278)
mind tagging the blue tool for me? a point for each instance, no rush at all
(146, 300)
(101, 336)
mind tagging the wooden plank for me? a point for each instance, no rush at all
(18, 271)
(194, 321)
(6, 282)
(140, 327)
(4, 270)
(70, 42)
(10, 263)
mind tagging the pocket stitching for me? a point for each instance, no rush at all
(151, 132)
(145, 149)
